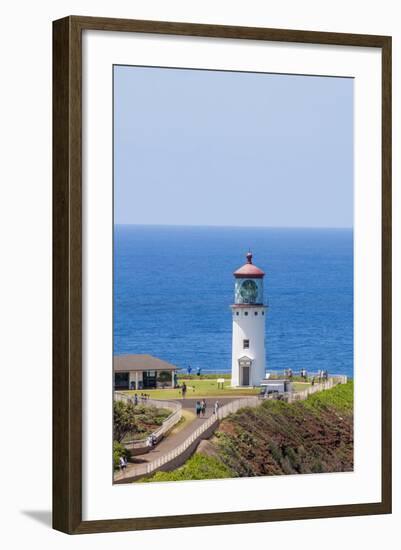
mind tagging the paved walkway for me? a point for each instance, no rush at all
(172, 441)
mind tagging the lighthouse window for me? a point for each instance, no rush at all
(237, 312)
(256, 312)
(245, 313)
(246, 344)
(263, 312)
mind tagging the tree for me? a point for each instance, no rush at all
(164, 377)
(123, 419)
(119, 451)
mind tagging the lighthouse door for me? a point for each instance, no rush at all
(244, 365)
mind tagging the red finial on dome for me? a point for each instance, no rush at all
(249, 270)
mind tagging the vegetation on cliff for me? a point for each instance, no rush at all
(311, 436)
(136, 421)
(198, 466)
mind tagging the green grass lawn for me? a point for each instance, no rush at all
(299, 386)
(204, 375)
(207, 388)
(198, 388)
(187, 417)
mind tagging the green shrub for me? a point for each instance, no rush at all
(275, 451)
(136, 422)
(124, 419)
(145, 419)
(341, 398)
(311, 436)
(119, 451)
(197, 467)
(164, 378)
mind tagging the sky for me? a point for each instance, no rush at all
(199, 147)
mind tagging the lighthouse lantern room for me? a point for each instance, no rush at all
(249, 312)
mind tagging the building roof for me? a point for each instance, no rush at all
(140, 362)
(249, 270)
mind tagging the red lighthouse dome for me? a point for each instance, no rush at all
(249, 270)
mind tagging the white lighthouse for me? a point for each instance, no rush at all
(249, 312)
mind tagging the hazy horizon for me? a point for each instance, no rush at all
(232, 226)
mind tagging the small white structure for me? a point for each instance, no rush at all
(276, 386)
(248, 340)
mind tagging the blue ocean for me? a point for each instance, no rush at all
(173, 287)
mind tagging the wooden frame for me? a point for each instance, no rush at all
(67, 274)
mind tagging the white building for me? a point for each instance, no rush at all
(249, 312)
(142, 372)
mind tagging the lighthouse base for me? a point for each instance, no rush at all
(247, 374)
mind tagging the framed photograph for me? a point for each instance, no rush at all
(222, 274)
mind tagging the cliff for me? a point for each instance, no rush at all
(276, 438)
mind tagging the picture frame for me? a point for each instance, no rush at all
(68, 294)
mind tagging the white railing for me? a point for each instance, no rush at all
(222, 412)
(310, 374)
(301, 395)
(339, 378)
(168, 423)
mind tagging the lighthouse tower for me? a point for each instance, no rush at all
(248, 311)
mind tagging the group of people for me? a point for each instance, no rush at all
(289, 373)
(123, 462)
(200, 408)
(321, 375)
(151, 441)
(142, 398)
(198, 370)
(304, 374)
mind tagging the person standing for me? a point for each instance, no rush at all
(136, 399)
(203, 407)
(123, 463)
(198, 408)
(216, 407)
(189, 369)
(184, 390)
